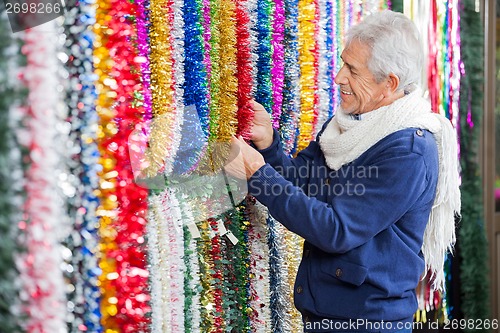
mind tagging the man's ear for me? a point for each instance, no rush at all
(392, 85)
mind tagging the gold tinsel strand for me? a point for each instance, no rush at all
(307, 51)
(162, 90)
(228, 103)
(223, 85)
(206, 264)
(107, 185)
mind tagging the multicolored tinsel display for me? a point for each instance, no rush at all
(153, 87)
(439, 22)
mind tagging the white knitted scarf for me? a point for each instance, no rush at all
(345, 139)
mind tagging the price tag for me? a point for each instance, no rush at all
(232, 237)
(193, 229)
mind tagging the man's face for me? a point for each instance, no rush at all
(359, 91)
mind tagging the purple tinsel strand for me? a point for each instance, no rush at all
(277, 71)
(143, 47)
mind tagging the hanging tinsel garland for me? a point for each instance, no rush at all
(279, 299)
(191, 274)
(213, 58)
(215, 251)
(71, 182)
(196, 94)
(308, 57)
(277, 69)
(325, 83)
(291, 87)
(260, 318)
(83, 242)
(11, 178)
(106, 192)
(155, 268)
(206, 265)
(130, 254)
(166, 244)
(167, 120)
(172, 240)
(123, 204)
(228, 84)
(196, 86)
(41, 279)
(245, 62)
(263, 93)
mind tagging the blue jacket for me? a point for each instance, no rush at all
(363, 225)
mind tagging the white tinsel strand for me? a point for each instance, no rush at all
(163, 268)
(13, 161)
(41, 280)
(251, 8)
(419, 11)
(259, 270)
(175, 236)
(154, 264)
(69, 182)
(177, 40)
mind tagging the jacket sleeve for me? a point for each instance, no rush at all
(352, 218)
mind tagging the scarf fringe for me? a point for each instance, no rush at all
(439, 236)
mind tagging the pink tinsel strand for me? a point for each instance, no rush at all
(143, 59)
(277, 71)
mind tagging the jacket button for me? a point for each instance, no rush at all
(327, 181)
(299, 289)
(306, 253)
(420, 132)
(306, 319)
(338, 272)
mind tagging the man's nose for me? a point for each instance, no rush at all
(340, 77)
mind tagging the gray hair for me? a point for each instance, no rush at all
(395, 47)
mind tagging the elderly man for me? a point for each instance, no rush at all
(374, 196)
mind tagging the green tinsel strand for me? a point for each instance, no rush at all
(397, 5)
(471, 236)
(9, 94)
(238, 264)
(188, 293)
(225, 264)
(203, 247)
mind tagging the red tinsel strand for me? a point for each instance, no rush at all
(244, 70)
(217, 277)
(130, 255)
